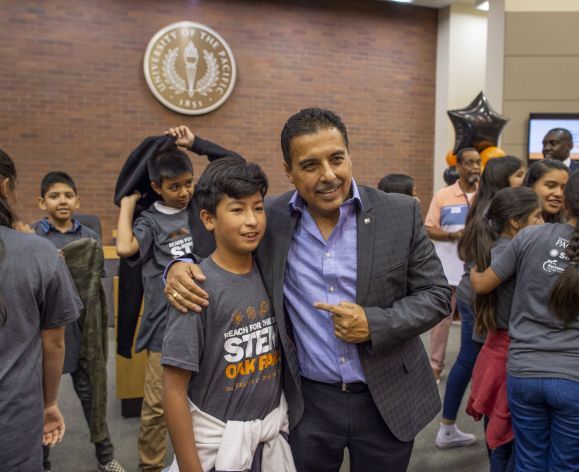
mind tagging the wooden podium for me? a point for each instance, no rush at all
(129, 373)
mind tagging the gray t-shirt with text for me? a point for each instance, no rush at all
(162, 237)
(541, 346)
(231, 347)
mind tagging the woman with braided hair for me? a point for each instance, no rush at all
(543, 360)
(37, 298)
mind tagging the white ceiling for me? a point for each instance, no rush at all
(439, 3)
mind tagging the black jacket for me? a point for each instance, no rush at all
(134, 176)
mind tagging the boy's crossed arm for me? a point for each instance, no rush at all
(127, 244)
(178, 418)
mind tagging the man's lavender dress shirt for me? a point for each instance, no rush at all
(320, 270)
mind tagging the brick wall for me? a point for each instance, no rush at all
(74, 98)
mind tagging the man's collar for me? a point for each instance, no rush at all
(567, 162)
(46, 226)
(458, 189)
(297, 203)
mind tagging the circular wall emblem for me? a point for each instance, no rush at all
(189, 68)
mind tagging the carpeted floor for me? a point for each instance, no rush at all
(76, 454)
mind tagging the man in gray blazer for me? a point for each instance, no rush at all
(354, 280)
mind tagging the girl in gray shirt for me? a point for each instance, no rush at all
(543, 363)
(37, 299)
(511, 210)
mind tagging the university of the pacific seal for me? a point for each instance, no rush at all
(189, 68)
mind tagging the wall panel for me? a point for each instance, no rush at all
(74, 97)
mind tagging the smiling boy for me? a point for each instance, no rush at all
(59, 199)
(221, 376)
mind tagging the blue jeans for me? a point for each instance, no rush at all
(545, 414)
(461, 371)
(503, 458)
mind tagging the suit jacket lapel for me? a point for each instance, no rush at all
(283, 236)
(365, 247)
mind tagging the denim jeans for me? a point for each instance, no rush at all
(461, 371)
(545, 414)
(503, 458)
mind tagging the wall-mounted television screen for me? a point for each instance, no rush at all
(541, 123)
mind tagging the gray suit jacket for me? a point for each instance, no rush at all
(404, 293)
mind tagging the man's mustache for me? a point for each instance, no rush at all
(328, 187)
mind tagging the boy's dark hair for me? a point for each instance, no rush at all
(231, 176)
(56, 178)
(168, 165)
(308, 121)
(518, 204)
(564, 298)
(397, 183)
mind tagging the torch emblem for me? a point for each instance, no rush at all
(189, 68)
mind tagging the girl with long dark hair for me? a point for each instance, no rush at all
(543, 360)
(35, 303)
(499, 173)
(511, 210)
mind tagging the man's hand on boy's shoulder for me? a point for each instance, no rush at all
(182, 291)
(183, 136)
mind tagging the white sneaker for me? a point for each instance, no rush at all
(450, 436)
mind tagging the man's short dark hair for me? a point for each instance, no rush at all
(397, 183)
(53, 178)
(169, 165)
(460, 153)
(565, 132)
(308, 121)
(231, 176)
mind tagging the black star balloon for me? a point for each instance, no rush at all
(476, 125)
